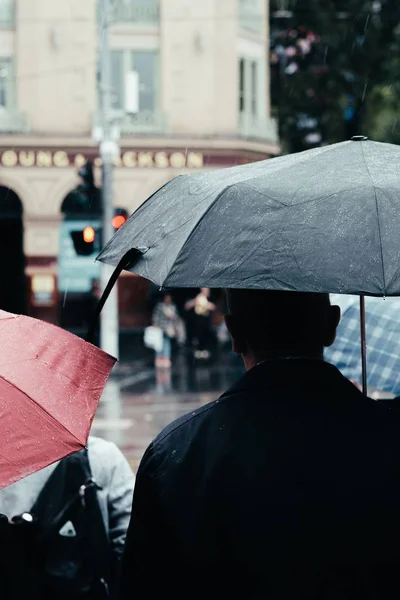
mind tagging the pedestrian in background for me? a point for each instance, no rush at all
(166, 318)
(202, 309)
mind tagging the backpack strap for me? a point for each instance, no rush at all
(62, 487)
(71, 487)
(98, 548)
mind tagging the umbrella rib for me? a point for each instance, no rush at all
(196, 225)
(377, 215)
(316, 199)
(43, 410)
(226, 188)
(222, 192)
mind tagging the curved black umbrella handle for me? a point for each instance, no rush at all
(126, 261)
(363, 345)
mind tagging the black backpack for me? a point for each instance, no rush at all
(60, 550)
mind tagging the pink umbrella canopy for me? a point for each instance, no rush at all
(50, 385)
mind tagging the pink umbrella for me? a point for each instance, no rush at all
(50, 385)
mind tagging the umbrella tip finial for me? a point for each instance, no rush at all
(359, 138)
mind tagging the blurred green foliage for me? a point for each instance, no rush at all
(335, 68)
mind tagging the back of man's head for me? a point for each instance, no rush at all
(271, 323)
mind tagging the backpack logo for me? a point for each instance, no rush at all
(68, 530)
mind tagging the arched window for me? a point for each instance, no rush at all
(12, 279)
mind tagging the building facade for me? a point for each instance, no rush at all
(202, 103)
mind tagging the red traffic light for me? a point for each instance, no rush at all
(89, 235)
(118, 221)
(120, 218)
(86, 241)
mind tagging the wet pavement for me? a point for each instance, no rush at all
(139, 402)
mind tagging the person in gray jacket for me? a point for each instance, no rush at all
(81, 507)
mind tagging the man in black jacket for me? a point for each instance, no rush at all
(287, 487)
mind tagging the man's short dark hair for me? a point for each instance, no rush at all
(283, 320)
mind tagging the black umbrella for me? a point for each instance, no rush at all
(324, 220)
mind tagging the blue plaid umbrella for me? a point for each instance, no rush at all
(383, 342)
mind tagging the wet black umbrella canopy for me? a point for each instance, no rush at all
(324, 220)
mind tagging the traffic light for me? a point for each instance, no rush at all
(85, 241)
(86, 197)
(120, 218)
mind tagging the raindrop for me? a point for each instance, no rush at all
(366, 23)
(65, 293)
(325, 53)
(365, 89)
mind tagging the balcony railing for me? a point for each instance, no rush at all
(145, 122)
(7, 14)
(258, 128)
(250, 16)
(140, 12)
(13, 121)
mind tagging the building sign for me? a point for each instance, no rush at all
(129, 159)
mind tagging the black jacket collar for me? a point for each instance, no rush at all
(294, 373)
